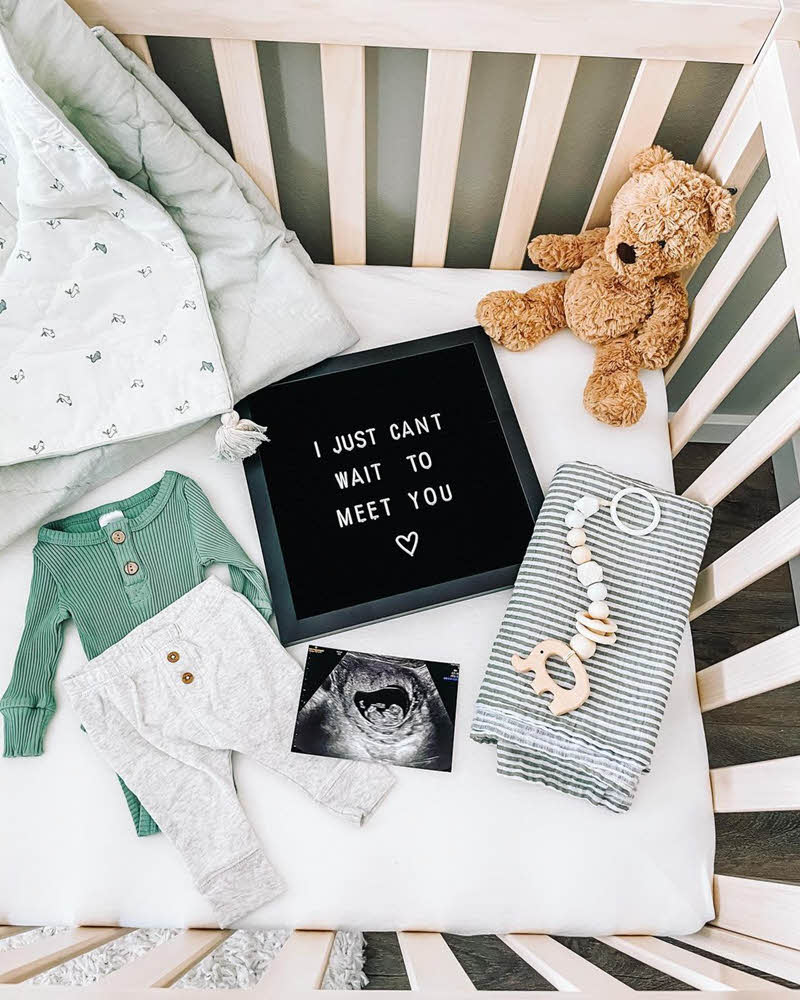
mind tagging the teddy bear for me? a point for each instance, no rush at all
(625, 295)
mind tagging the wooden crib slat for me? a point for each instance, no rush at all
(656, 80)
(165, 964)
(735, 259)
(767, 910)
(430, 965)
(300, 965)
(739, 152)
(138, 44)
(741, 149)
(19, 964)
(772, 958)
(725, 118)
(239, 77)
(761, 438)
(765, 785)
(701, 973)
(769, 665)
(344, 105)
(446, 86)
(563, 968)
(754, 336)
(777, 88)
(548, 96)
(770, 546)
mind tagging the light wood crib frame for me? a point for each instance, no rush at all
(757, 922)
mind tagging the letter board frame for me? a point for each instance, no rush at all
(293, 628)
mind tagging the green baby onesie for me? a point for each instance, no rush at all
(109, 578)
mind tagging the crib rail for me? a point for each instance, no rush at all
(762, 118)
(431, 967)
(757, 923)
(770, 112)
(711, 30)
(662, 35)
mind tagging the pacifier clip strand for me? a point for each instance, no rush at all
(594, 625)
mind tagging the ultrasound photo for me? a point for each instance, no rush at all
(366, 706)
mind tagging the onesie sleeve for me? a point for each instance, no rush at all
(28, 703)
(215, 544)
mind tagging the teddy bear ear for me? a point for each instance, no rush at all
(720, 206)
(649, 158)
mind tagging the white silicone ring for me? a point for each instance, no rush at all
(640, 491)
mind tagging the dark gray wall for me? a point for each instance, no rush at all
(498, 84)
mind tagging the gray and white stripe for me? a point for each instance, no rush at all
(599, 751)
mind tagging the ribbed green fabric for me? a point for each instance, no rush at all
(171, 533)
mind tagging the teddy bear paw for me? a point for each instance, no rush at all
(506, 318)
(617, 399)
(545, 251)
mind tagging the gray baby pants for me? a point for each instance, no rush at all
(166, 705)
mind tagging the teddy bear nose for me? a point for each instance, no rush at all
(626, 253)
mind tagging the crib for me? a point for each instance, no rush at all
(757, 923)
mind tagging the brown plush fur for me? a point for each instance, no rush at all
(625, 295)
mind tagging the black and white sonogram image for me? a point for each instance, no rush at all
(367, 706)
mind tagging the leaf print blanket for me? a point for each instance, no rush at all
(146, 283)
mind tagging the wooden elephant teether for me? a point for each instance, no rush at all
(564, 699)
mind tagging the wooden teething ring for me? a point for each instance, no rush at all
(564, 699)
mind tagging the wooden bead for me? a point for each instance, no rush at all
(598, 609)
(585, 648)
(595, 624)
(589, 573)
(576, 536)
(603, 640)
(597, 592)
(574, 519)
(587, 505)
(581, 554)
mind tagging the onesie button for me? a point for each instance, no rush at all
(187, 678)
(173, 657)
(118, 537)
(131, 568)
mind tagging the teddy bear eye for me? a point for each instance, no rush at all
(662, 243)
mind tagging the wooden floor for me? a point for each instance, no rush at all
(757, 845)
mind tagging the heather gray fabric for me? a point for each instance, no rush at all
(171, 740)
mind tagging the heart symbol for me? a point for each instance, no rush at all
(408, 543)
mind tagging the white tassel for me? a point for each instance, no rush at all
(237, 439)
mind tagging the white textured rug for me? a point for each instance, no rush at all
(239, 962)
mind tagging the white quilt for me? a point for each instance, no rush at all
(105, 331)
(129, 236)
(467, 852)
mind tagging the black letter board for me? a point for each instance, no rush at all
(394, 479)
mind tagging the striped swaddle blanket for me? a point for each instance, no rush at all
(599, 751)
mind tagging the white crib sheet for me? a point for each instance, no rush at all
(467, 852)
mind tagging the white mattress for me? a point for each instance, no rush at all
(467, 852)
